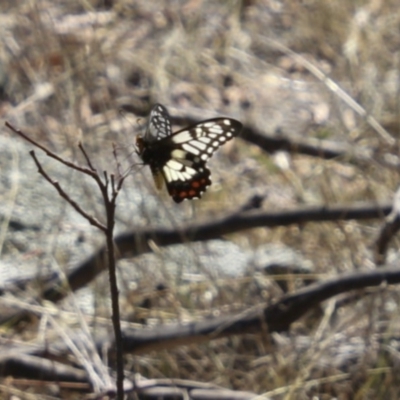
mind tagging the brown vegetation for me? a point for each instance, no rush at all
(282, 282)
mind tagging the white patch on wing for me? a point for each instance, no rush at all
(167, 174)
(152, 132)
(205, 139)
(173, 174)
(191, 172)
(198, 144)
(216, 129)
(177, 153)
(175, 171)
(182, 137)
(159, 125)
(186, 175)
(174, 165)
(187, 163)
(190, 149)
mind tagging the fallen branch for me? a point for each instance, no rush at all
(276, 317)
(138, 242)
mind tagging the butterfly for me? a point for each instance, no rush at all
(179, 158)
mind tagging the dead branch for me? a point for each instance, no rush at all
(389, 229)
(132, 244)
(275, 317)
(18, 364)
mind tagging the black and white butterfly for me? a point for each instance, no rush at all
(179, 158)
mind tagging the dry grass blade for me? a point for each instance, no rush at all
(307, 188)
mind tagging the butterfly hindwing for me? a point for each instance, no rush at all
(180, 157)
(197, 179)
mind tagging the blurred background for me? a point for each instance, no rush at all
(324, 74)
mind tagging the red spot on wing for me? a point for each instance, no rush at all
(190, 189)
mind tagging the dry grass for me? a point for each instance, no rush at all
(67, 67)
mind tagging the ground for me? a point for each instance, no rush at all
(316, 74)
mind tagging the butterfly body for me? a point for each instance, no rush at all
(179, 159)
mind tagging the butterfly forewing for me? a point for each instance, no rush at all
(204, 138)
(180, 157)
(159, 125)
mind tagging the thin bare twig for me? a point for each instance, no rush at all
(108, 230)
(112, 185)
(93, 221)
(120, 183)
(89, 163)
(49, 153)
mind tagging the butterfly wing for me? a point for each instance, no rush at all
(180, 158)
(158, 128)
(159, 125)
(185, 171)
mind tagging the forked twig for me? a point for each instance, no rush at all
(51, 154)
(93, 221)
(82, 149)
(108, 228)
